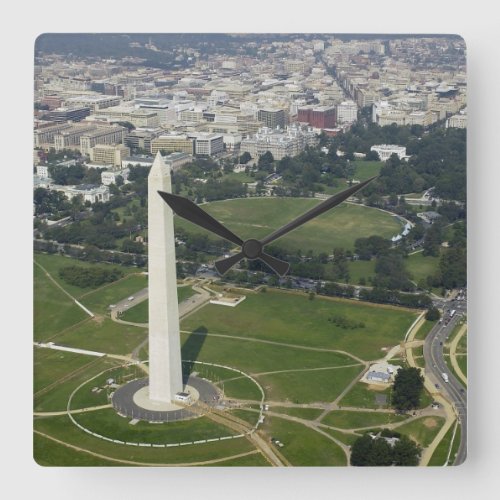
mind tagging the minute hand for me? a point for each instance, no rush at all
(331, 202)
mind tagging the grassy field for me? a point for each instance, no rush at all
(108, 423)
(51, 454)
(366, 169)
(305, 322)
(139, 313)
(344, 437)
(53, 263)
(50, 366)
(53, 311)
(305, 413)
(362, 396)
(62, 428)
(56, 398)
(422, 430)
(257, 217)
(441, 452)
(307, 386)
(357, 419)
(304, 446)
(103, 336)
(255, 357)
(424, 330)
(100, 299)
(420, 266)
(241, 388)
(253, 460)
(361, 269)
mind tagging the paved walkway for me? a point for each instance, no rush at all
(65, 412)
(453, 353)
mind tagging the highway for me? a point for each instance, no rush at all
(435, 365)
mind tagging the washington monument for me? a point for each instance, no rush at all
(165, 369)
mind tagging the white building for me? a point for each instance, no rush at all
(207, 144)
(386, 150)
(279, 143)
(347, 112)
(109, 176)
(89, 192)
(457, 121)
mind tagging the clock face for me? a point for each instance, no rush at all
(250, 250)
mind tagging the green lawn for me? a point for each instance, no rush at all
(253, 460)
(257, 217)
(308, 386)
(56, 399)
(53, 263)
(366, 169)
(356, 419)
(361, 269)
(103, 336)
(305, 413)
(420, 266)
(100, 299)
(53, 311)
(239, 176)
(108, 423)
(441, 452)
(63, 429)
(292, 318)
(344, 437)
(424, 330)
(254, 357)
(247, 415)
(304, 446)
(422, 430)
(51, 454)
(50, 365)
(241, 388)
(360, 396)
(139, 313)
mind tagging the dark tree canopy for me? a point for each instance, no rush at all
(407, 389)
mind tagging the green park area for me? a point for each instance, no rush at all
(257, 217)
(302, 361)
(139, 313)
(288, 317)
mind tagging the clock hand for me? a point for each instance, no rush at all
(329, 203)
(253, 249)
(193, 213)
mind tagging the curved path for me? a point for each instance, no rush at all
(148, 464)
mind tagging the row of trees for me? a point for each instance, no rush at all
(87, 277)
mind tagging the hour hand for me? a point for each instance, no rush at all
(193, 213)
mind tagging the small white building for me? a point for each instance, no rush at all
(109, 176)
(183, 397)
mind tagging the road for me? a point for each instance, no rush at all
(435, 365)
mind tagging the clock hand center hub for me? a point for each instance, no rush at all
(252, 248)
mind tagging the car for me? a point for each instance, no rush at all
(112, 306)
(131, 297)
(437, 386)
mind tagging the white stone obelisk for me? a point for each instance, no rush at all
(165, 369)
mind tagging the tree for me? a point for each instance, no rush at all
(433, 314)
(406, 452)
(407, 389)
(384, 449)
(245, 158)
